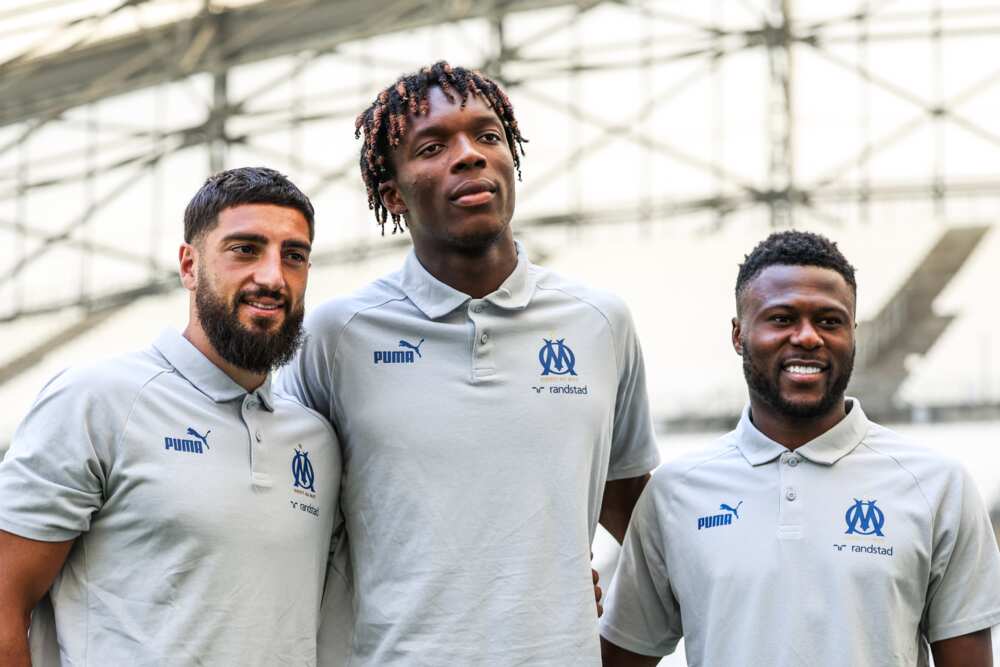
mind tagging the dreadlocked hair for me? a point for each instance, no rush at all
(384, 123)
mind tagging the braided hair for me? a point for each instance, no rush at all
(384, 123)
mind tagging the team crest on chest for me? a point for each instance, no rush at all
(558, 373)
(865, 519)
(303, 482)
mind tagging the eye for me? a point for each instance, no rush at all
(491, 137)
(296, 256)
(246, 249)
(831, 322)
(430, 150)
(780, 319)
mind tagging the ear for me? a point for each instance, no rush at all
(187, 260)
(392, 199)
(737, 344)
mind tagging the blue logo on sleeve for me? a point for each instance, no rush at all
(864, 518)
(557, 358)
(726, 519)
(302, 471)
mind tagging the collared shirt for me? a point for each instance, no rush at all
(202, 513)
(478, 435)
(856, 548)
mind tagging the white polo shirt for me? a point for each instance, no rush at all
(855, 549)
(202, 514)
(478, 435)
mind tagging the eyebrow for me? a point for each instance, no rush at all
(481, 119)
(260, 239)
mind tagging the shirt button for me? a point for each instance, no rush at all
(485, 337)
(258, 435)
(793, 461)
(478, 308)
(790, 494)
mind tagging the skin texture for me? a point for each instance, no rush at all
(28, 568)
(803, 313)
(796, 315)
(468, 245)
(254, 248)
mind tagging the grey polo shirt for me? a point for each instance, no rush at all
(202, 514)
(855, 549)
(478, 435)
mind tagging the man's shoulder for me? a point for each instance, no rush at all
(609, 304)
(721, 455)
(289, 407)
(928, 466)
(116, 377)
(335, 313)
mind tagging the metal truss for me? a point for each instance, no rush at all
(60, 135)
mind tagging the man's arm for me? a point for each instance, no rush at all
(972, 650)
(613, 655)
(620, 497)
(28, 568)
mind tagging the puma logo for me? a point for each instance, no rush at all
(415, 348)
(203, 438)
(735, 510)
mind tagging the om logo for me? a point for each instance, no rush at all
(864, 518)
(556, 358)
(302, 470)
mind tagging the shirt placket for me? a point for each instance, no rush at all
(483, 344)
(251, 412)
(790, 498)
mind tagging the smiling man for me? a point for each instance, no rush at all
(490, 411)
(181, 512)
(809, 535)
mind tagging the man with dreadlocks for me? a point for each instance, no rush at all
(491, 412)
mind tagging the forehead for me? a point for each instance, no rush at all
(810, 287)
(443, 113)
(275, 222)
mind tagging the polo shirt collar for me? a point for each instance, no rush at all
(827, 448)
(436, 299)
(206, 377)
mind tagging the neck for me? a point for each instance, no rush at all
(793, 432)
(244, 378)
(476, 273)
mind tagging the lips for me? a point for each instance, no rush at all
(803, 370)
(263, 306)
(473, 192)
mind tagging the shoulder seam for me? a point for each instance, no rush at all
(614, 347)
(916, 480)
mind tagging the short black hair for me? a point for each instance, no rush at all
(793, 248)
(384, 122)
(236, 187)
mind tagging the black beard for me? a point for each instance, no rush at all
(256, 351)
(767, 389)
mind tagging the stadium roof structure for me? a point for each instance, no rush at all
(642, 113)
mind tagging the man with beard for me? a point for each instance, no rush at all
(177, 511)
(809, 535)
(491, 411)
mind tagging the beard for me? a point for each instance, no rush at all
(766, 388)
(252, 349)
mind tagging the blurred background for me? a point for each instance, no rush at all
(666, 139)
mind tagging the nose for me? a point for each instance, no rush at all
(469, 155)
(269, 271)
(806, 336)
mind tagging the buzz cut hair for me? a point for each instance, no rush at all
(793, 248)
(239, 187)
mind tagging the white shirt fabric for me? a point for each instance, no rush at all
(202, 514)
(855, 549)
(478, 435)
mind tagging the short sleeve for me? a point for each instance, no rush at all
(306, 377)
(53, 478)
(633, 441)
(641, 613)
(963, 595)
